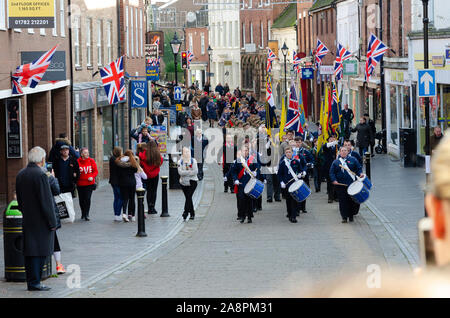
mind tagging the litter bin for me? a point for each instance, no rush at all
(174, 177)
(13, 246)
(408, 147)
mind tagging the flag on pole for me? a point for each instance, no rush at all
(324, 121)
(113, 80)
(301, 107)
(335, 111)
(341, 55)
(283, 118)
(270, 58)
(29, 75)
(375, 52)
(296, 62)
(190, 57)
(271, 118)
(321, 51)
(293, 114)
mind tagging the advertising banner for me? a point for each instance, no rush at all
(31, 14)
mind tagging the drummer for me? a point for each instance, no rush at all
(341, 179)
(241, 177)
(304, 152)
(298, 167)
(350, 144)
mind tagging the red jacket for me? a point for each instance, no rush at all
(88, 169)
(150, 171)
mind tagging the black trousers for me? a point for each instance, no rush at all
(84, 196)
(292, 206)
(245, 206)
(303, 204)
(347, 207)
(331, 189)
(33, 269)
(128, 194)
(229, 183)
(188, 193)
(152, 190)
(200, 171)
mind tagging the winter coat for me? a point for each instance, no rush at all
(36, 203)
(150, 171)
(341, 175)
(365, 136)
(139, 176)
(113, 171)
(88, 169)
(54, 187)
(54, 152)
(73, 173)
(187, 171)
(126, 172)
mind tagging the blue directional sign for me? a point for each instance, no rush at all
(177, 93)
(427, 83)
(138, 94)
(307, 73)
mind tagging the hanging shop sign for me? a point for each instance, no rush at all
(13, 129)
(31, 14)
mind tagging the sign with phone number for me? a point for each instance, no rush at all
(31, 14)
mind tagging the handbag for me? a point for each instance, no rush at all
(66, 211)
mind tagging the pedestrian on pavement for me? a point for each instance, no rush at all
(435, 138)
(157, 117)
(54, 187)
(373, 128)
(67, 170)
(211, 109)
(219, 88)
(289, 165)
(437, 203)
(114, 181)
(151, 161)
(187, 169)
(86, 183)
(364, 137)
(127, 168)
(199, 143)
(341, 179)
(36, 203)
(196, 113)
(228, 155)
(347, 117)
(190, 127)
(61, 140)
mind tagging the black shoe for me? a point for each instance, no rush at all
(350, 219)
(293, 220)
(192, 217)
(249, 220)
(185, 215)
(86, 218)
(39, 288)
(373, 155)
(269, 200)
(225, 190)
(242, 220)
(317, 190)
(336, 200)
(277, 200)
(330, 201)
(297, 213)
(153, 211)
(304, 211)
(259, 208)
(344, 221)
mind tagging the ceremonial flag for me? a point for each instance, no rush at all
(29, 75)
(296, 62)
(321, 51)
(324, 121)
(270, 58)
(114, 81)
(271, 118)
(293, 114)
(335, 111)
(341, 55)
(190, 57)
(375, 52)
(301, 107)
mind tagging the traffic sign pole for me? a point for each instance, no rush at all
(427, 99)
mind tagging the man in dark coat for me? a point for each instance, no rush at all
(39, 220)
(364, 137)
(347, 117)
(373, 128)
(67, 170)
(62, 140)
(202, 104)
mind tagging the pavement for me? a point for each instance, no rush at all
(216, 256)
(102, 246)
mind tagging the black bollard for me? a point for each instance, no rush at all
(367, 161)
(164, 209)
(141, 222)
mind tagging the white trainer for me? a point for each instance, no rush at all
(125, 218)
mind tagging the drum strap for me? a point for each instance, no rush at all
(344, 164)
(288, 165)
(241, 173)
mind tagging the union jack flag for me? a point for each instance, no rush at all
(29, 75)
(293, 120)
(154, 61)
(270, 58)
(321, 51)
(157, 41)
(190, 57)
(296, 62)
(113, 80)
(375, 52)
(341, 55)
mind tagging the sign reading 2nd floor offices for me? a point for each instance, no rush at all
(31, 14)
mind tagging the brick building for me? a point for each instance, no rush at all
(41, 113)
(197, 41)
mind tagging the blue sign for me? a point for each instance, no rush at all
(307, 73)
(138, 91)
(152, 73)
(447, 54)
(177, 93)
(427, 83)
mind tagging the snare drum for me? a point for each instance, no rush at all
(358, 191)
(299, 191)
(254, 188)
(366, 182)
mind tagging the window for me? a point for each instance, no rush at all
(388, 23)
(55, 29)
(236, 38)
(131, 32)
(89, 42)
(224, 33)
(268, 30)
(42, 31)
(2, 15)
(332, 22)
(202, 40)
(136, 26)
(251, 32)
(127, 32)
(109, 40)
(76, 40)
(99, 43)
(400, 29)
(230, 33)
(61, 18)
(262, 35)
(191, 43)
(141, 43)
(243, 34)
(326, 21)
(31, 31)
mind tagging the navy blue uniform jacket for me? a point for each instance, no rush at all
(236, 169)
(297, 165)
(341, 175)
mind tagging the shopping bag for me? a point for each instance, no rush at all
(66, 211)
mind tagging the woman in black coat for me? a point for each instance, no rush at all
(127, 167)
(114, 182)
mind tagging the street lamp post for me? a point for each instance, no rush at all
(209, 64)
(175, 45)
(285, 50)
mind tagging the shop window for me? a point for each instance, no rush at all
(393, 136)
(406, 106)
(107, 132)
